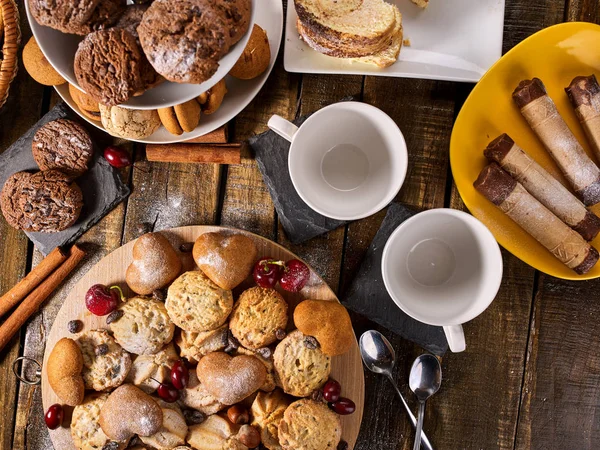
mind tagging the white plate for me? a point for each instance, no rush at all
(59, 49)
(269, 15)
(455, 40)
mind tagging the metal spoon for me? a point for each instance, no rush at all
(425, 380)
(379, 357)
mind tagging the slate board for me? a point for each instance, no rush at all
(368, 296)
(102, 186)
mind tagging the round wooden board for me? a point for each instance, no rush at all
(347, 368)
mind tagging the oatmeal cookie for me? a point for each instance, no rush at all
(145, 326)
(257, 315)
(85, 429)
(129, 123)
(63, 145)
(193, 346)
(105, 363)
(197, 304)
(309, 425)
(300, 367)
(44, 202)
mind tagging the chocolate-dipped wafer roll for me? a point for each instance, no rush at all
(584, 93)
(543, 117)
(512, 198)
(543, 186)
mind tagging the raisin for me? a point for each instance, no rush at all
(159, 295)
(317, 395)
(265, 352)
(280, 334)
(102, 350)
(114, 316)
(193, 417)
(343, 445)
(75, 326)
(112, 445)
(186, 247)
(311, 343)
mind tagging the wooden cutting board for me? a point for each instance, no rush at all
(347, 368)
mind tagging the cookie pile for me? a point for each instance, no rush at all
(129, 49)
(49, 200)
(185, 365)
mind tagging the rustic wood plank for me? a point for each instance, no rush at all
(583, 10)
(19, 113)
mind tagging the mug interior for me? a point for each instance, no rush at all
(348, 160)
(442, 267)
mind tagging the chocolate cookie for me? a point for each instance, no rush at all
(63, 145)
(131, 19)
(237, 15)
(109, 65)
(184, 40)
(76, 17)
(45, 201)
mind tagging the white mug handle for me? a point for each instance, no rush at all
(456, 338)
(282, 127)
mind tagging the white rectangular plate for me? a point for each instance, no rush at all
(455, 40)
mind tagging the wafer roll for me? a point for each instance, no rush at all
(543, 117)
(512, 198)
(543, 186)
(584, 93)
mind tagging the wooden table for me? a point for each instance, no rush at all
(530, 377)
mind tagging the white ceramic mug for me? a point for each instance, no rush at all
(347, 161)
(442, 267)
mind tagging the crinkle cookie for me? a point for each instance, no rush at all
(129, 123)
(85, 429)
(145, 327)
(195, 396)
(184, 40)
(105, 363)
(193, 346)
(256, 317)
(309, 425)
(147, 371)
(197, 304)
(300, 366)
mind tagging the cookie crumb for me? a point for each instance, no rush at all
(406, 42)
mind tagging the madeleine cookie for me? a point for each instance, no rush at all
(145, 326)
(256, 56)
(197, 304)
(64, 367)
(38, 66)
(300, 365)
(329, 322)
(63, 145)
(181, 118)
(129, 123)
(193, 346)
(155, 264)
(147, 371)
(267, 412)
(309, 425)
(256, 317)
(85, 429)
(267, 361)
(195, 396)
(105, 363)
(172, 432)
(227, 259)
(87, 105)
(211, 100)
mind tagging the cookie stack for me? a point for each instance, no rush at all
(258, 378)
(368, 31)
(49, 200)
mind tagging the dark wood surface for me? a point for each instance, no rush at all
(531, 374)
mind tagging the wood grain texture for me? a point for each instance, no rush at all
(583, 10)
(347, 368)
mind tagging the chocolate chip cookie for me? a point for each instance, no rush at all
(76, 17)
(184, 40)
(46, 201)
(109, 66)
(63, 145)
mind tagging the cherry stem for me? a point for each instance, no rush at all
(118, 288)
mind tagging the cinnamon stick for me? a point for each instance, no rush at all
(34, 300)
(195, 153)
(19, 291)
(218, 136)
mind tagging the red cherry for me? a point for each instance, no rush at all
(332, 391)
(54, 416)
(101, 300)
(343, 406)
(168, 393)
(117, 157)
(180, 375)
(267, 272)
(295, 277)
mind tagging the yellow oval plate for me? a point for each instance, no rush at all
(556, 55)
